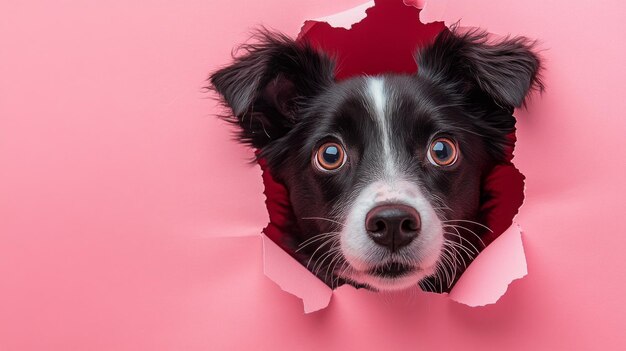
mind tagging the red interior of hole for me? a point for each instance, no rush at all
(384, 42)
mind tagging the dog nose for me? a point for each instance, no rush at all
(393, 225)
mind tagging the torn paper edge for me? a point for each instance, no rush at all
(293, 277)
(488, 277)
(346, 19)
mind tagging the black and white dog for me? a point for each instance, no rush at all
(383, 172)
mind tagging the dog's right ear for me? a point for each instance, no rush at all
(266, 87)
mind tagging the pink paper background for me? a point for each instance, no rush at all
(115, 178)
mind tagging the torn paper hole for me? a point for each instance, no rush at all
(384, 42)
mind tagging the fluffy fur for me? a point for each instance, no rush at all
(286, 103)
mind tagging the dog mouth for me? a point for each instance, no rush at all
(391, 270)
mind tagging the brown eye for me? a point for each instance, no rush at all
(442, 152)
(330, 156)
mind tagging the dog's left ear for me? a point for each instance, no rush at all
(504, 71)
(267, 85)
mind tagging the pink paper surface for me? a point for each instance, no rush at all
(488, 277)
(294, 278)
(345, 19)
(115, 177)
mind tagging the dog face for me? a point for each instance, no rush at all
(383, 172)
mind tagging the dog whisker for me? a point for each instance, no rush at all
(440, 269)
(459, 244)
(451, 267)
(449, 256)
(454, 246)
(312, 242)
(456, 229)
(331, 253)
(343, 271)
(468, 221)
(319, 264)
(324, 243)
(315, 238)
(431, 285)
(317, 267)
(325, 219)
(332, 265)
(336, 276)
(468, 230)
(462, 239)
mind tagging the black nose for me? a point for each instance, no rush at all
(393, 226)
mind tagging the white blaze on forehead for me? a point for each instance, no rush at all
(378, 97)
(389, 186)
(376, 90)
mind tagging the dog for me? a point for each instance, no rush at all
(383, 172)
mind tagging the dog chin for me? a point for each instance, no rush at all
(379, 282)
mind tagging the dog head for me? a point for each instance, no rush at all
(383, 172)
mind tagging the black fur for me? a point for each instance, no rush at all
(504, 71)
(265, 87)
(489, 79)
